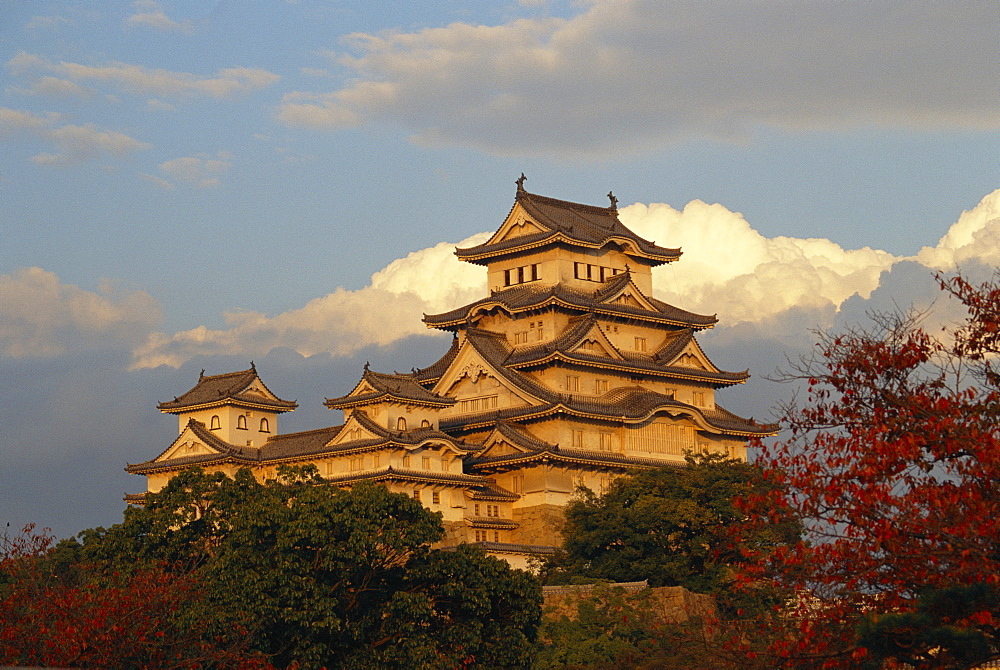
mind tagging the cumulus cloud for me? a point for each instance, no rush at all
(632, 75)
(727, 268)
(42, 317)
(141, 80)
(387, 310)
(730, 268)
(74, 143)
(974, 237)
(150, 14)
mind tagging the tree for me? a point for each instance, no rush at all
(318, 576)
(893, 466)
(57, 614)
(671, 526)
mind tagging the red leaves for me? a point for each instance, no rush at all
(88, 618)
(892, 465)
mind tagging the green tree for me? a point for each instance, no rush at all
(317, 576)
(673, 526)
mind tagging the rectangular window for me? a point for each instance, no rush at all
(572, 383)
(416, 494)
(600, 386)
(476, 508)
(517, 482)
(671, 393)
(376, 460)
(640, 344)
(406, 461)
(605, 441)
(698, 398)
(436, 497)
(425, 462)
(534, 272)
(578, 438)
(496, 536)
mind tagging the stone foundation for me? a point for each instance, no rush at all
(541, 524)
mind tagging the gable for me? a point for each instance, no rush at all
(693, 357)
(187, 444)
(468, 370)
(518, 224)
(595, 343)
(629, 295)
(499, 447)
(363, 388)
(256, 388)
(353, 431)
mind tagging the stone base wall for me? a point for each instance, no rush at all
(455, 533)
(671, 604)
(540, 524)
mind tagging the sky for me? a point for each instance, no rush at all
(194, 185)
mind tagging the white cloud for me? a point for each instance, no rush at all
(140, 80)
(42, 317)
(727, 268)
(150, 14)
(627, 76)
(389, 309)
(75, 143)
(730, 268)
(47, 22)
(54, 87)
(201, 170)
(974, 237)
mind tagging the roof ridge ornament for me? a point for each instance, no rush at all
(614, 200)
(520, 183)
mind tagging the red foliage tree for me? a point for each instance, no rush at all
(91, 618)
(893, 464)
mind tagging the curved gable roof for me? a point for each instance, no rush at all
(526, 297)
(378, 387)
(230, 388)
(570, 223)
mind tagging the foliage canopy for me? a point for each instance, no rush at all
(893, 465)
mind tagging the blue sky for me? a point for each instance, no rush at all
(188, 185)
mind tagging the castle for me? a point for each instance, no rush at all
(569, 373)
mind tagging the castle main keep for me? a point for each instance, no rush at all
(568, 373)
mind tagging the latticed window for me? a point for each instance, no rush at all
(661, 438)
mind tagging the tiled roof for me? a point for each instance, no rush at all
(632, 403)
(532, 296)
(509, 548)
(489, 490)
(521, 437)
(293, 445)
(216, 389)
(491, 522)
(562, 347)
(405, 474)
(225, 453)
(570, 223)
(606, 458)
(401, 388)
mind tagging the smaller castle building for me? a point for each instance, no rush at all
(567, 374)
